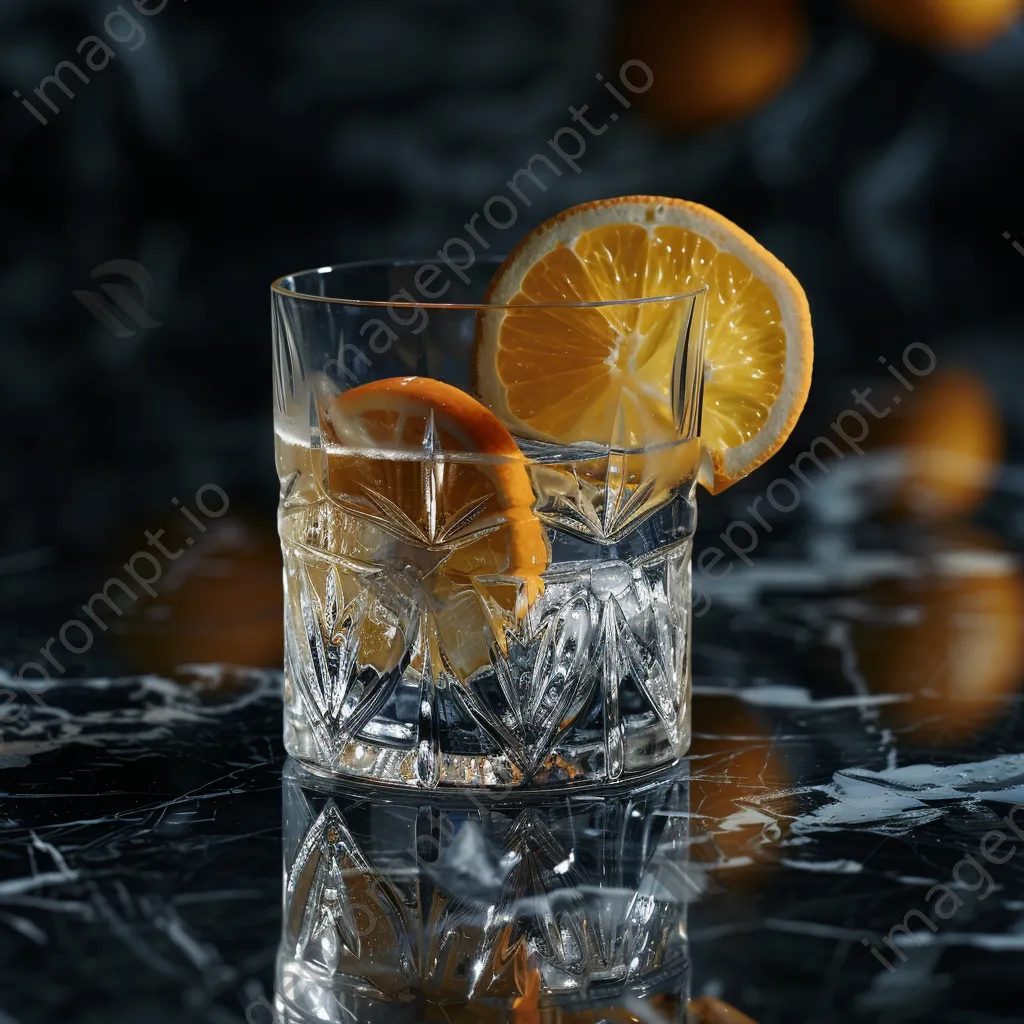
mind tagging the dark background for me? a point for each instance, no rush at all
(242, 141)
(238, 142)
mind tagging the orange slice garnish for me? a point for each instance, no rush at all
(604, 374)
(953, 439)
(441, 487)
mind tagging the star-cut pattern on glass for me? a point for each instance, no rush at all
(327, 891)
(604, 492)
(402, 600)
(376, 607)
(591, 634)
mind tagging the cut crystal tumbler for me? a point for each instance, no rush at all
(486, 556)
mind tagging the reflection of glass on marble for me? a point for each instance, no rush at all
(403, 909)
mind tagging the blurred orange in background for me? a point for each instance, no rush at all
(943, 24)
(950, 639)
(712, 60)
(218, 602)
(953, 437)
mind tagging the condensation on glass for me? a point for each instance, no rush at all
(420, 649)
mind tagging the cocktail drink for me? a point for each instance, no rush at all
(487, 503)
(467, 607)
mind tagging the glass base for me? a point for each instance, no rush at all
(647, 750)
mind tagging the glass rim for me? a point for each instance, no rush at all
(279, 287)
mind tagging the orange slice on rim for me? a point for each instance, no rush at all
(602, 374)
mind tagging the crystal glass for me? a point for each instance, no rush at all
(569, 908)
(467, 605)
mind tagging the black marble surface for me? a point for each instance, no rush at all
(141, 837)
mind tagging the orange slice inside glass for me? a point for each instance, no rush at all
(437, 490)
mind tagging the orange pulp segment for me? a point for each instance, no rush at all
(430, 466)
